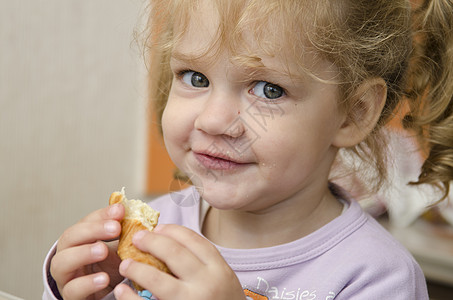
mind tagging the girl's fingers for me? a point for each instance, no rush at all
(179, 259)
(89, 232)
(191, 240)
(159, 283)
(194, 261)
(65, 263)
(114, 211)
(82, 287)
(122, 291)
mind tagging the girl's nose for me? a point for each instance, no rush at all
(220, 115)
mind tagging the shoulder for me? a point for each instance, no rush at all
(375, 244)
(371, 261)
(379, 265)
(367, 238)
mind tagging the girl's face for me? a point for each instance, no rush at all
(248, 138)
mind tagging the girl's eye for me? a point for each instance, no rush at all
(195, 79)
(267, 90)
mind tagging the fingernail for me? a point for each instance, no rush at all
(110, 226)
(100, 280)
(118, 291)
(97, 250)
(114, 210)
(124, 265)
(138, 236)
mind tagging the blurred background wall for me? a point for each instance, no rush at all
(72, 123)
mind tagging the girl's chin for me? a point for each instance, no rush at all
(222, 193)
(216, 186)
(221, 199)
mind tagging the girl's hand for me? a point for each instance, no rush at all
(200, 271)
(84, 266)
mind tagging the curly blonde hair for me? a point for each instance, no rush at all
(409, 48)
(430, 89)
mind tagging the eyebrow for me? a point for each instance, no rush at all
(262, 70)
(186, 58)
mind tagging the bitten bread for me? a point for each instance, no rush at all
(138, 216)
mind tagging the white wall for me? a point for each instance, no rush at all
(72, 126)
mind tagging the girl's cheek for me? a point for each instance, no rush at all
(170, 117)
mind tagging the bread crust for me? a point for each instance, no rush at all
(125, 247)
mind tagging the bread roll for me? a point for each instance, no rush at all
(138, 216)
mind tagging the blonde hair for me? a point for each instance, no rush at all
(430, 89)
(363, 39)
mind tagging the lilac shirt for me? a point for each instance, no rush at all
(352, 257)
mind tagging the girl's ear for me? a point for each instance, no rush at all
(369, 100)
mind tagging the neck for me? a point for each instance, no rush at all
(282, 223)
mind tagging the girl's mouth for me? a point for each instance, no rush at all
(217, 163)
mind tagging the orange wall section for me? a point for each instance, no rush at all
(159, 170)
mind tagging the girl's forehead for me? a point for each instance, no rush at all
(277, 24)
(198, 33)
(205, 34)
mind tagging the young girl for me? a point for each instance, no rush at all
(256, 99)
